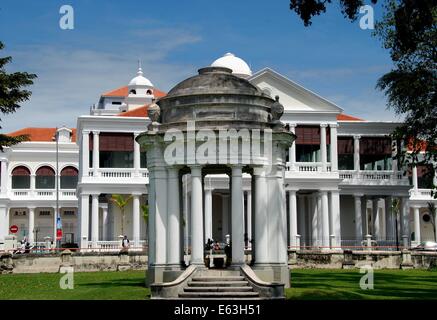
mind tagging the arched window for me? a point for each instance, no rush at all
(20, 178)
(69, 177)
(149, 92)
(45, 178)
(133, 91)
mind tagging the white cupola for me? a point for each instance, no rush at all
(238, 66)
(140, 91)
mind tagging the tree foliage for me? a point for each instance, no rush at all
(121, 202)
(12, 94)
(408, 30)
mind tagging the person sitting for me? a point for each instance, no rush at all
(125, 243)
(216, 246)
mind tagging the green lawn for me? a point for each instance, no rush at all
(322, 284)
(307, 284)
(128, 285)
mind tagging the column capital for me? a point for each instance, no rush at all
(292, 125)
(357, 137)
(96, 132)
(259, 171)
(95, 195)
(323, 125)
(334, 125)
(86, 132)
(358, 195)
(32, 207)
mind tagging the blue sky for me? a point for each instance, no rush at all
(333, 57)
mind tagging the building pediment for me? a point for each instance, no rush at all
(293, 96)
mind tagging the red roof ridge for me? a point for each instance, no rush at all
(137, 112)
(346, 117)
(41, 134)
(123, 92)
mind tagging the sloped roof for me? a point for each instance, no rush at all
(40, 134)
(137, 112)
(124, 91)
(346, 117)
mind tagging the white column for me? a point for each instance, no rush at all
(151, 225)
(161, 215)
(137, 158)
(261, 240)
(357, 153)
(32, 182)
(85, 153)
(314, 222)
(4, 176)
(84, 220)
(319, 220)
(249, 217)
(95, 220)
(31, 235)
(405, 218)
(358, 219)
(333, 150)
(292, 217)
(335, 219)
(237, 219)
(292, 150)
(105, 222)
(415, 179)
(325, 220)
(375, 218)
(389, 219)
(4, 222)
(136, 219)
(174, 213)
(225, 216)
(196, 216)
(208, 213)
(96, 153)
(301, 221)
(417, 236)
(324, 155)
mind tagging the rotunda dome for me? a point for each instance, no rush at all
(140, 80)
(238, 66)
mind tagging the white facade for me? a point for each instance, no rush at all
(334, 200)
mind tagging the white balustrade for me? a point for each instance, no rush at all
(372, 176)
(421, 194)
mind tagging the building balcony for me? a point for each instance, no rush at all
(373, 177)
(124, 175)
(421, 194)
(42, 194)
(308, 167)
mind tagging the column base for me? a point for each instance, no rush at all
(163, 273)
(273, 272)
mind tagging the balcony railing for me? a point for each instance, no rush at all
(43, 194)
(377, 177)
(118, 173)
(426, 194)
(308, 167)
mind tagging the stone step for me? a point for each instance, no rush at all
(219, 295)
(218, 289)
(223, 278)
(217, 283)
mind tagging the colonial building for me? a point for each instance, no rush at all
(340, 180)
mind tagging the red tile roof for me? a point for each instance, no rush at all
(123, 92)
(346, 117)
(40, 134)
(137, 112)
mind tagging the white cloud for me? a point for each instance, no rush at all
(71, 80)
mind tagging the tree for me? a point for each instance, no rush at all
(145, 211)
(408, 30)
(433, 215)
(12, 94)
(121, 202)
